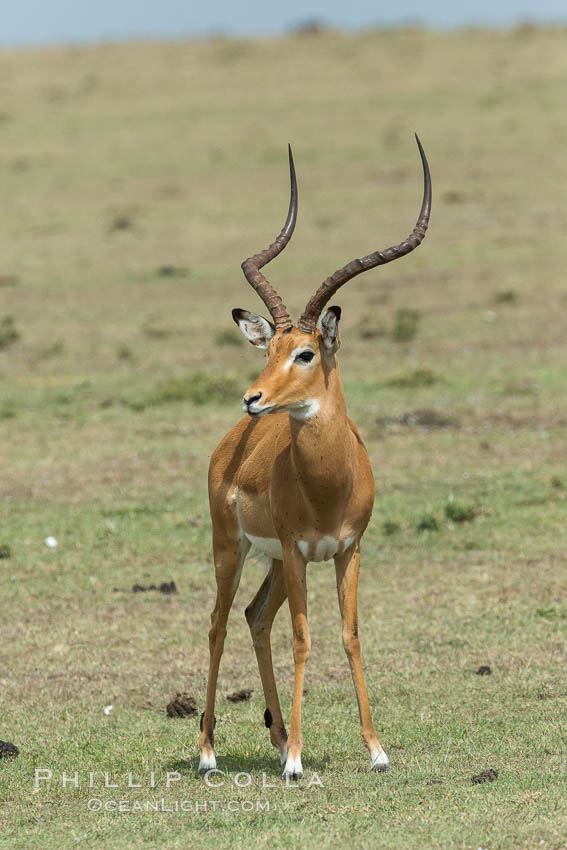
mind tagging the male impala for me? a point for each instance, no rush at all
(297, 484)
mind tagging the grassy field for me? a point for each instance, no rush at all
(134, 180)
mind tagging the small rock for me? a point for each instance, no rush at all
(51, 542)
(107, 709)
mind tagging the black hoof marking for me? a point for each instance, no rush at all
(201, 722)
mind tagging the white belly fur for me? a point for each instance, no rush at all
(325, 548)
(270, 546)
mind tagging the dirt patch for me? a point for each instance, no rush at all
(8, 750)
(169, 270)
(9, 280)
(121, 222)
(427, 419)
(240, 696)
(412, 380)
(181, 705)
(486, 776)
(515, 421)
(166, 587)
(484, 670)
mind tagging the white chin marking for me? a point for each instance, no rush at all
(379, 760)
(207, 762)
(257, 410)
(293, 768)
(308, 409)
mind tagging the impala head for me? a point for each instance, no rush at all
(300, 358)
(296, 374)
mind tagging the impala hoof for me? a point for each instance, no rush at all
(293, 768)
(379, 761)
(207, 762)
(294, 777)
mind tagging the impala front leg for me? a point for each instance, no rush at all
(347, 566)
(229, 557)
(296, 586)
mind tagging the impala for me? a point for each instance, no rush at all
(294, 479)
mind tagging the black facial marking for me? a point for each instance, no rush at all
(268, 718)
(287, 330)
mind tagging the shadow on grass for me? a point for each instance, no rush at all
(255, 765)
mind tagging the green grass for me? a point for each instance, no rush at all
(135, 179)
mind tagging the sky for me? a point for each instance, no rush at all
(25, 22)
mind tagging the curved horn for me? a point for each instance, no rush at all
(308, 320)
(252, 265)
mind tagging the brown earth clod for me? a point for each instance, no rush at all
(484, 670)
(486, 776)
(240, 696)
(8, 750)
(166, 587)
(182, 705)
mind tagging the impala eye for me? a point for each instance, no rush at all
(304, 357)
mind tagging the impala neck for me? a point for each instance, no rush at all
(321, 445)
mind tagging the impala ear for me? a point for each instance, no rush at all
(330, 329)
(256, 329)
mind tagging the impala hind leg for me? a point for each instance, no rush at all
(260, 616)
(347, 566)
(296, 586)
(229, 559)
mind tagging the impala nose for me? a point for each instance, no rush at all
(248, 400)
